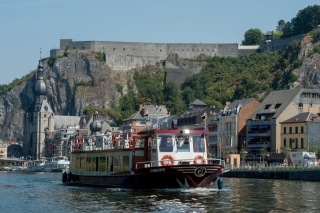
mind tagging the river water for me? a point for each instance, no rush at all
(44, 192)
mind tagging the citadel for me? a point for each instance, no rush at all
(129, 55)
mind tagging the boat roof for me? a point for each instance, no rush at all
(173, 131)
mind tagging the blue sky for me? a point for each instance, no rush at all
(28, 25)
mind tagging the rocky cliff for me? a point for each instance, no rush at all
(74, 82)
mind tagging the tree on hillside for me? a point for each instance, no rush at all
(305, 21)
(253, 37)
(173, 98)
(281, 25)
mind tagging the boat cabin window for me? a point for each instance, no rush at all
(198, 143)
(125, 163)
(110, 164)
(183, 144)
(117, 164)
(82, 163)
(102, 165)
(166, 143)
(88, 164)
(77, 163)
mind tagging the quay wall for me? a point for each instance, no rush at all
(303, 174)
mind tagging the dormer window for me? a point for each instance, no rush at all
(267, 106)
(277, 106)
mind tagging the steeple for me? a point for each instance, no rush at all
(40, 88)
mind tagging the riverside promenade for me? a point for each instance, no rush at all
(286, 173)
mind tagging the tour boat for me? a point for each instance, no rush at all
(153, 159)
(56, 164)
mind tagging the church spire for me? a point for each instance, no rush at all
(40, 88)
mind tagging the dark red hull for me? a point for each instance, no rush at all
(177, 176)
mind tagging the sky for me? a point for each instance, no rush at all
(28, 25)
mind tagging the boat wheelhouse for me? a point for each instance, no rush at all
(153, 159)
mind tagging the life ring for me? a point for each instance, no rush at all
(167, 160)
(197, 158)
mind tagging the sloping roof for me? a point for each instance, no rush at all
(64, 121)
(198, 102)
(283, 97)
(235, 103)
(301, 117)
(152, 111)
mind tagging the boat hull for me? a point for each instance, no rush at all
(177, 176)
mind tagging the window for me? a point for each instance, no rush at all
(166, 143)
(296, 143)
(102, 164)
(277, 106)
(284, 142)
(198, 143)
(267, 106)
(302, 129)
(301, 105)
(284, 130)
(302, 143)
(88, 164)
(290, 130)
(183, 144)
(296, 129)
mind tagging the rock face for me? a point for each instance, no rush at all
(74, 82)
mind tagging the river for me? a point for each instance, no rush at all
(44, 192)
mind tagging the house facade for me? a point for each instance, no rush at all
(264, 125)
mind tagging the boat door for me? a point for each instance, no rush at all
(140, 152)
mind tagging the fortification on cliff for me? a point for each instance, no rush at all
(128, 55)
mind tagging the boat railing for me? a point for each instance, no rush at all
(182, 162)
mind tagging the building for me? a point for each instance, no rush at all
(298, 132)
(228, 128)
(263, 126)
(146, 116)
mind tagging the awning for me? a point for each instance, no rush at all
(250, 138)
(254, 126)
(264, 126)
(255, 148)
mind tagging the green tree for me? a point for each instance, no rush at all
(243, 154)
(253, 37)
(312, 147)
(286, 150)
(281, 25)
(264, 152)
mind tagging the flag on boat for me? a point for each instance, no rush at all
(202, 136)
(204, 116)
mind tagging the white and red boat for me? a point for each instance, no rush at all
(154, 159)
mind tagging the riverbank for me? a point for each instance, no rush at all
(312, 174)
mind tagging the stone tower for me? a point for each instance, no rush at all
(38, 120)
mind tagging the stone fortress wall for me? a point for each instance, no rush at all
(129, 55)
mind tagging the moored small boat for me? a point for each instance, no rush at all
(154, 159)
(56, 164)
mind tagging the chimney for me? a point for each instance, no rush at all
(228, 103)
(314, 119)
(169, 113)
(140, 106)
